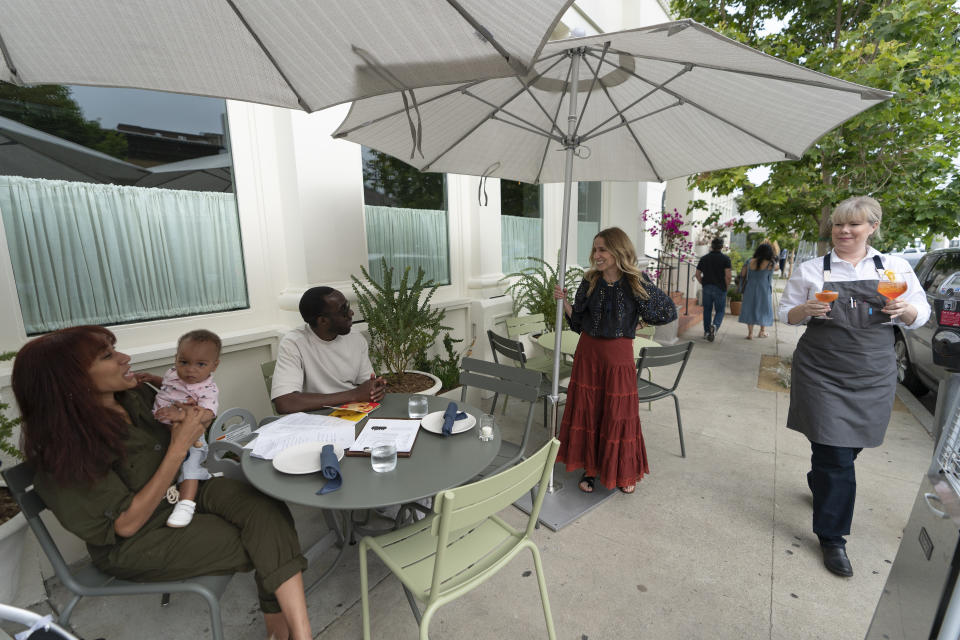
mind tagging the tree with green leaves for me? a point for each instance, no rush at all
(900, 152)
(51, 109)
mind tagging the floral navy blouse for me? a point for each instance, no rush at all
(614, 310)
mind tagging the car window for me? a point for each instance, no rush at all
(947, 264)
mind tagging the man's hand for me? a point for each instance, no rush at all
(372, 390)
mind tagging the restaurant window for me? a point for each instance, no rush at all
(521, 225)
(405, 212)
(588, 219)
(118, 205)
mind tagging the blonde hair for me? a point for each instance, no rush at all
(858, 209)
(621, 248)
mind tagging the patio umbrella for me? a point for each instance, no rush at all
(302, 54)
(646, 104)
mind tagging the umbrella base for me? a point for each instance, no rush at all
(566, 503)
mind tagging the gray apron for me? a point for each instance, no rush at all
(844, 374)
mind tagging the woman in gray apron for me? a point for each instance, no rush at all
(844, 373)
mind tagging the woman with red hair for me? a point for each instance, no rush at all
(103, 465)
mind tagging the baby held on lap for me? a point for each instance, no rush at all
(189, 381)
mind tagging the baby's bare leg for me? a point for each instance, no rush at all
(188, 489)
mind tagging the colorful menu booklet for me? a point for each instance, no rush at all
(402, 432)
(354, 411)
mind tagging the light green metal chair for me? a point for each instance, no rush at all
(513, 350)
(463, 542)
(522, 325)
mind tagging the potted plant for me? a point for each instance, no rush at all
(402, 325)
(532, 288)
(736, 299)
(446, 367)
(13, 525)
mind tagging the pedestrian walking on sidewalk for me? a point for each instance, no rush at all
(844, 372)
(757, 283)
(714, 275)
(600, 432)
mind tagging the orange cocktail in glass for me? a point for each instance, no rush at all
(826, 295)
(891, 285)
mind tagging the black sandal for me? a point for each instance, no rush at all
(586, 480)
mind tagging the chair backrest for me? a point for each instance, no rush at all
(522, 325)
(267, 370)
(651, 357)
(472, 503)
(647, 332)
(19, 481)
(227, 434)
(506, 347)
(500, 378)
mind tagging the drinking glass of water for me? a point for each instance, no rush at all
(486, 427)
(417, 406)
(383, 456)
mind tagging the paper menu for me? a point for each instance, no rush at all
(300, 428)
(403, 432)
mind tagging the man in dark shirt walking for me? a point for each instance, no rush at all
(714, 273)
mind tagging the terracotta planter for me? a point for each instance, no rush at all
(735, 307)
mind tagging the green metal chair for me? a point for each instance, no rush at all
(523, 325)
(87, 580)
(649, 391)
(267, 370)
(513, 350)
(463, 542)
(523, 384)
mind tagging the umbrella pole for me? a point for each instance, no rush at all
(571, 146)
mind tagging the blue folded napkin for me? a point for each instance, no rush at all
(330, 469)
(449, 416)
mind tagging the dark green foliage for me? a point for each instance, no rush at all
(533, 288)
(7, 424)
(402, 326)
(447, 367)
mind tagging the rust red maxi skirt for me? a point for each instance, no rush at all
(600, 432)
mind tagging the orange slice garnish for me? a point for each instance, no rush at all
(890, 275)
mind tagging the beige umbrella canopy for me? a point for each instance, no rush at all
(302, 54)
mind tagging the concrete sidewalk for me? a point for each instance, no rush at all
(717, 545)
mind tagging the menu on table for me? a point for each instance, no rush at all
(402, 432)
(300, 428)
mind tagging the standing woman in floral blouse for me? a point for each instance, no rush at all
(600, 432)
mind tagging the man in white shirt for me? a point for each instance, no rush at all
(323, 364)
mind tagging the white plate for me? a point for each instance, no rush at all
(303, 458)
(433, 422)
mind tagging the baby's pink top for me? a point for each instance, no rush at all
(174, 390)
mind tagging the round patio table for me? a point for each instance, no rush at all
(435, 463)
(569, 340)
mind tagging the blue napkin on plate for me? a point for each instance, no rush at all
(330, 468)
(449, 416)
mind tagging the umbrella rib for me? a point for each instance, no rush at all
(865, 92)
(536, 101)
(695, 105)
(489, 116)
(457, 89)
(546, 146)
(533, 127)
(515, 64)
(5, 53)
(596, 77)
(256, 38)
(625, 123)
(656, 87)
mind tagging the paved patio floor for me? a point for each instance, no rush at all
(717, 545)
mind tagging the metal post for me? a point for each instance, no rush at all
(571, 146)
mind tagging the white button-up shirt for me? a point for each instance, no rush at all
(808, 278)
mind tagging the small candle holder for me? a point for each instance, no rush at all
(486, 427)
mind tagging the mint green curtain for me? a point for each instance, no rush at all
(586, 232)
(104, 254)
(520, 237)
(408, 238)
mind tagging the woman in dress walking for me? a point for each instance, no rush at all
(757, 306)
(600, 432)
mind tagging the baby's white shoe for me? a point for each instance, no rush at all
(182, 514)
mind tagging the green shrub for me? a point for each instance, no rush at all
(402, 325)
(7, 424)
(533, 288)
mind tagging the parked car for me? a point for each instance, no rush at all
(915, 367)
(911, 255)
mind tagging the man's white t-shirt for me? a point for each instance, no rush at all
(307, 364)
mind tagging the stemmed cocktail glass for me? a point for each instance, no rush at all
(827, 296)
(892, 284)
